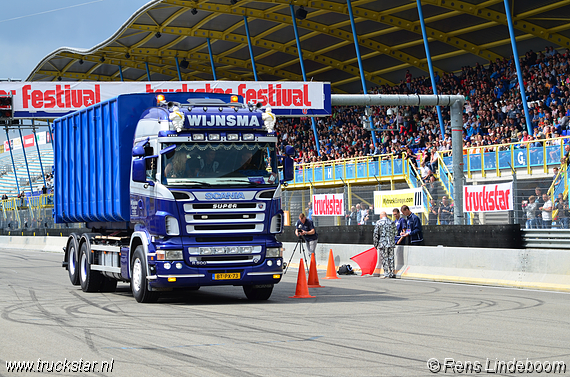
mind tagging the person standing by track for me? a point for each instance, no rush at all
(384, 241)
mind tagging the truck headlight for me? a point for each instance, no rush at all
(169, 255)
(172, 228)
(273, 252)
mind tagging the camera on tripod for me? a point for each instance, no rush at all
(300, 242)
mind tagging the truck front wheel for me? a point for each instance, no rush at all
(139, 284)
(90, 280)
(71, 256)
(258, 293)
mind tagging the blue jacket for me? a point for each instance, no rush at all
(415, 226)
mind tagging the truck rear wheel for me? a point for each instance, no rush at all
(90, 280)
(256, 293)
(139, 284)
(72, 268)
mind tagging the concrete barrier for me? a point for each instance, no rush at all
(520, 268)
(45, 243)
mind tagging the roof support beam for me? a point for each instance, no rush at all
(501, 18)
(241, 40)
(307, 24)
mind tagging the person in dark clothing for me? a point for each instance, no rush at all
(413, 235)
(306, 229)
(539, 203)
(433, 212)
(400, 224)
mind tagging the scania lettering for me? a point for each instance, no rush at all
(178, 193)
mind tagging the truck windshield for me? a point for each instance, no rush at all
(223, 164)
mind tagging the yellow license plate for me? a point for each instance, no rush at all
(228, 276)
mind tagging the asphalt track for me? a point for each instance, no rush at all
(356, 326)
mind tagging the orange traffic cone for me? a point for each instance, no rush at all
(313, 276)
(302, 291)
(331, 269)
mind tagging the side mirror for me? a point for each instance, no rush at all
(288, 173)
(139, 149)
(139, 170)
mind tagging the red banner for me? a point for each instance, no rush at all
(488, 198)
(328, 205)
(52, 99)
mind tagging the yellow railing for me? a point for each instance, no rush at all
(356, 169)
(35, 202)
(484, 159)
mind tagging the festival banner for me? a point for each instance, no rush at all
(328, 205)
(55, 99)
(388, 200)
(488, 198)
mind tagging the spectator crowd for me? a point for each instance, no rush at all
(493, 115)
(493, 112)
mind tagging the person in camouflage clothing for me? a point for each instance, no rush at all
(384, 242)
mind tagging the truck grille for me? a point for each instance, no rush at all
(220, 218)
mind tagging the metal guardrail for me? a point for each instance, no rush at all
(27, 213)
(546, 238)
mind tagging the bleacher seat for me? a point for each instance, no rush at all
(8, 181)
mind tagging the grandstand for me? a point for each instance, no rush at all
(8, 179)
(471, 57)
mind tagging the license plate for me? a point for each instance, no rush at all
(228, 276)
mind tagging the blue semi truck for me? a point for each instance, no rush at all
(179, 191)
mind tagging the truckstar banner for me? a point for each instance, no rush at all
(388, 200)
(328, 205)
(488, 198)
(55, 99)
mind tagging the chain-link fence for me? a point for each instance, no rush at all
(297, 201)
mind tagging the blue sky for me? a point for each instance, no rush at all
(31, 29)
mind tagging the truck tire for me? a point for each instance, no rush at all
(90, 280)
(71, 256)
(139, 284)
(255, 293)
(108, 284)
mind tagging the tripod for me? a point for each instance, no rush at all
(300, 242)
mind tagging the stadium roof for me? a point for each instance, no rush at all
(461, 33)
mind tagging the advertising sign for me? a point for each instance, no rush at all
(488, 198)
(55, 99)
(328, 205)
(388, 200)
(41, 138)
